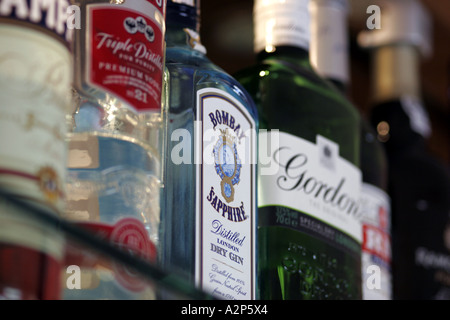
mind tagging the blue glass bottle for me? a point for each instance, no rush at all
(209, 204)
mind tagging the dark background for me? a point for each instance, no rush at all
(227, 34)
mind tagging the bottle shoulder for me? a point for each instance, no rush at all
(374, 164)
(298, 90)
(299, 102)
(394, 126)
(283, 74)
(190, 71)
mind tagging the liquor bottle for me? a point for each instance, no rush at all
(419, 185)
(114, 146)
(209, 211)
(329, 56)
(309, 232)
(35, 79)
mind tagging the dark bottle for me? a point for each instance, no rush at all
(419, 184)
(309, 232)
(208, 224)
(329, 56)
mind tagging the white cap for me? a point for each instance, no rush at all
(187, 2)
(402, 21)
(329, 39)
(281, 22)
(338, 4)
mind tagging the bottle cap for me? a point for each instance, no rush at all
(341, 5)
(329, 39)
(401, 21)
(186, 2)
(281, 22)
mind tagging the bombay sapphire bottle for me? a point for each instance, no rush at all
(309, 232)
(209, 208)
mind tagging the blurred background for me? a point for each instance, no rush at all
(227, 34)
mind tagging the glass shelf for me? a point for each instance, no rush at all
(107, 272)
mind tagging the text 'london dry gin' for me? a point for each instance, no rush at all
(309, 230)
(115, 143)
(35, 79)
(209, 211)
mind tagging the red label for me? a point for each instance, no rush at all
(376, 242)
(27, 274)
(125, 54)
(128, 234)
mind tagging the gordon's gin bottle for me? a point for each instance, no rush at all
(309, 229)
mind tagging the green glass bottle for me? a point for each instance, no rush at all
(330, 57)
(309, 232)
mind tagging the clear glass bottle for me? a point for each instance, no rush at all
(329, 56)
(309, 232)
(35, 79)
(116, 141)
(419, 185)
(209, 208)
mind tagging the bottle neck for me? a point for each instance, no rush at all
(399, 115)
(295, 56)
(340, 85)
(183, 24)
(395, 71)
(282, 29)
(329, 41)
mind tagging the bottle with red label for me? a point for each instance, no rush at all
(115, 143)
(35, 79)
(330, 57)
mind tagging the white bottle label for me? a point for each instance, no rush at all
(226, 222)
(35, 79)
(312, 178)
(376, 248)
